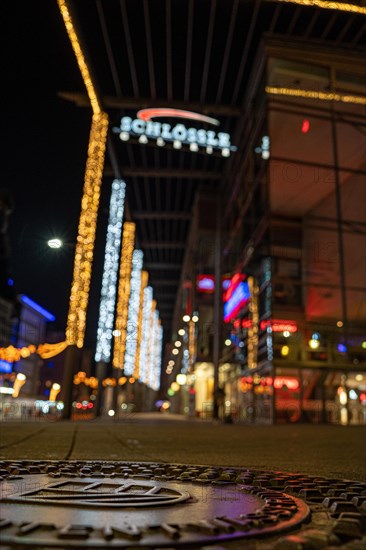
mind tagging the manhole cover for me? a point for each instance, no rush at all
(132, 505)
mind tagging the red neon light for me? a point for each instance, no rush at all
(206, 283)
(279, 325)
(159, 112)
(289, 382)
(305, 127)
(246, 323)
(235, 281)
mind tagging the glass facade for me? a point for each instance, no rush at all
(302, 240)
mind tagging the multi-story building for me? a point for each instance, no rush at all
(295, 348)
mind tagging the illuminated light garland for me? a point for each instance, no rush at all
(153, 341)
(45, 351)
(110, 272)
(123, 294)
(63, 7)
(76, 320)
(253, 330)
(133, 313)
(314, 94)
(157, 360)
(324, 4)
(81, 378)
(191, 343)
(145, 336)
(144, 281)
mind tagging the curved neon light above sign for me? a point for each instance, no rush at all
(146, 130)
(160, 112)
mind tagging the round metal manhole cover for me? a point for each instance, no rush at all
(132, 505)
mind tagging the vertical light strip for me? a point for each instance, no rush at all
(158, 358)
(253, 330)
(144, 347)
(144, 281)
(76, 320)
(64, 9)
(79, 297)
(133, 313)
(153, 344)
(128, 240)
(110, 272)
(154, 378)
(150, 345)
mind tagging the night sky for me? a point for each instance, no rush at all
(44, 152)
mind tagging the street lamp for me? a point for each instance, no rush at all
(55, 243)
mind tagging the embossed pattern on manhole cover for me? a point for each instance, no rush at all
(152, 505)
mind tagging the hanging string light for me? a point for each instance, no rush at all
(133, 312)
(325, 4)
(315, 94)
(76, 320)
(110, 272)
(123, 295)
(144, 346)
(144, 281)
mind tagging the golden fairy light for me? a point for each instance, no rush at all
(253, 329)
(339, 6)
(76, 320)
(144, 281)
(314, 94)
(123, 294)
(46, 351)
(65, 12)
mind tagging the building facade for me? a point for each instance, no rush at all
(295, 350)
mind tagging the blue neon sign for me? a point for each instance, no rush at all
(238, 298)
(36, 307)
(5, 366)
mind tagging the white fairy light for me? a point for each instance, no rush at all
(110, 272)
(144, 349)
(133, 313)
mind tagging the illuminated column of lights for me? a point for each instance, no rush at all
(64, 9)
(325, 4)
(192, 342)
(253, 329)
(110, 272)
(123, 296)
(83, 260)
(144, 281)
(153, 344)
(144, 346)
(150, 346)
(315, 94)
(133, 313)
(156, 371)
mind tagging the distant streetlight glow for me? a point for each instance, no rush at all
(55, 243)
(186, 318)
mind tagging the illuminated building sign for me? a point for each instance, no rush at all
(206, 283)
(279, 325)
(288, 382)
(36, 307)
(235, 297)
(161, 132)
(274, 324)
